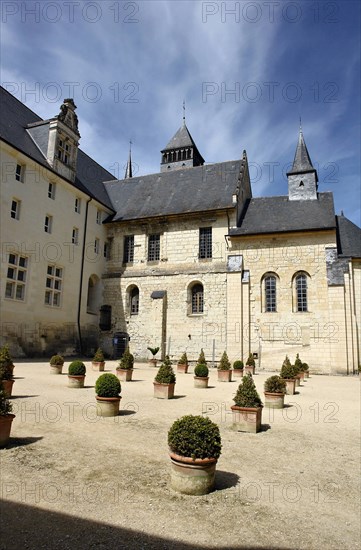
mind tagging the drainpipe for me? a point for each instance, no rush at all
(81, 275)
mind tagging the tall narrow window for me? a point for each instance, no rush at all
(16, 277)
(106, 251)
(270, 293)
(48, 224)
(128, 249)
(96, 246)
(15, 209)
(54, 285)
(134, 301)
(77, 205)
(64, 150)
(301, 292)
(153, 248)
(197, 298)
(75, 236)
(205, 242)
(99, 217)
(51, 190)
(19, 173)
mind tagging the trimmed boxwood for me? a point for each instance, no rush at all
(305, 367)
(195, 437)
(99, 356)
(107, 385)
(57, 361)
(238, 365)
(298, 363)
(6, 372)
(165, 373)
(250, 361)
(5, 357)
(127, 361)
(288, 371)
(224, 363)
(201, 371)
(76, 368)
(202, 358)
(183, 360)
(275, 384)
(247, 395)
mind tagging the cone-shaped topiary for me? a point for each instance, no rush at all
(288, 371)
(76, 368)
(275, 384)
(238, 365)
(5, 357)
(57, 361)
(250, 361)
(247, 395)
(127, 361)
(107, 385)
(201, 371)
(298, 363)
(183, 359)
(6, 372)
(195, 437)
(224, 363)
(99, 356)
(165, 374)
(202, 358)
(286, 362)
(5, 405)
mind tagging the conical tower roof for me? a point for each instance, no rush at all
(302, 161)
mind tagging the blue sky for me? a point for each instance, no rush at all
(247, 70)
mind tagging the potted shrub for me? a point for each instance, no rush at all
(306, 370)
(154, 352)
(164, 382)
(107, 389)
(238, 367)
(6, 359)
(6, 378)
(247, 411)
(202, 358)
(224, 369)
(6, 419)
(288, 373)
(76, 374)
(250, 364)
(298, 365)
(194, 447)
(98, 361)
(125, 367)
(201, 376)
(274, 392)
(56, 364)
(182, 365)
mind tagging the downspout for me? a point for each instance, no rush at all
(81, 275)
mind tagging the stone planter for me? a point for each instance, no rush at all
(182, 368)
(201, 381)
(163, 391)
(274, 400)
(76, 381)
(153, 362)
(298, 381)
(108, 406)
(301, 376)
(237, 373)
(98, 365)
(225, 375)
(249, 369)
(56, 369)
(125, 375)
(290, 386)
(192, 477)
(8, 387)
(246, 419)
(5, 428)
(306, 374)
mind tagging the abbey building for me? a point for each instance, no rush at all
(182, 259)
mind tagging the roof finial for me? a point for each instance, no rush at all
(300, 125)
(129, 170)
(184, 112)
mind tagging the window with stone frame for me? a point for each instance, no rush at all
(128, 253)
(19, 172)
(205, 242)
(51, 190)
(15, 209)
(270, 293)
(197, 298)
(134, 300)
(16, 277)
(75, 236)
(64, 150)
(53, 285)
(48, 223)
(153, 248)
(301, 292)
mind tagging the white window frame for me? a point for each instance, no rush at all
(48, 224)
(15, 209)
(53, 285)
(51, 190)
(77, 205)
(16, 277)
(75, 236)
(96, 245)
(19, 172)
(99, 217)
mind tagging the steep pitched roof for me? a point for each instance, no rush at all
(302, 161)
(182, 139)
(196, 189)
(348, 238)
(32, 141)
(280, 215)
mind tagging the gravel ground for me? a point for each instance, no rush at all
(70, 479)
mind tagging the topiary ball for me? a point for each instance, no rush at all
(107, 385)
(77, 368)
(195, 437)
(201, 371)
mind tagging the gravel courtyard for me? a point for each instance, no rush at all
(70, 479)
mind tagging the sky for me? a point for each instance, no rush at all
(247, 71)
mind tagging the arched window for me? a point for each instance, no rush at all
(197, 297)
(301, 292)
(270, 293)
(134, 300)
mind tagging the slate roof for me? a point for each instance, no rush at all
(14, 121)
(279, 215)
(196, 189)
(348, 238)
(182, 139)
(302, 162)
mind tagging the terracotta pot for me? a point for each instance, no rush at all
(307, 374)
(8, 387)
(249, 369)
(301, 376)
(56, 369)
(182, 368)
(12, 367)
(98, 365)
(192, 477)
(225, 375)
(246, 419)
(201, 381)
(5, 428)
(298, 381)
(163, 391)
(274, 400)
(238, 373)
(125, 375)
(153, 362)
(108, 406)
(76, 381)
(290, 386)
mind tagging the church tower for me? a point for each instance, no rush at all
(181, 151)
(302, 178)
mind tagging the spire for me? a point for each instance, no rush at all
(181, 151)
(302, 161)
(128, 170)
(302, 178)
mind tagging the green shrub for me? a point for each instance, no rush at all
(154, 351)
(247, 395)
(57, 361)
(195, 437)
(5, 405)
(238, 365)
(165, 373)
(183, 360)
(305, 367)
(298, 363)
(127, 361)
(224, 363)
(5, 357)
(250, 361)
(288, 371)
(202, 358)
(99, 356)
(286, 362)
(275, 384)
(77, 368)
(6, 372)
(107, 385)
(201, 371)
